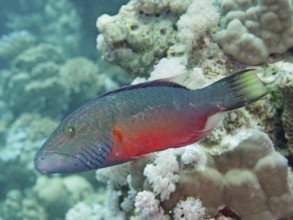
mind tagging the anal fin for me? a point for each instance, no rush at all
(213, 122)
(145, 156)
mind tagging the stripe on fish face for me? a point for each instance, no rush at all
(94, 155)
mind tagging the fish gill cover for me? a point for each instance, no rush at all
(50, 66)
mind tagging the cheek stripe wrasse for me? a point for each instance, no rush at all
(136, 120)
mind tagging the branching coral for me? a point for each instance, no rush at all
(82, 79)
(23, 138)
(84, 211)
(194, 157)
(115, 177)
(189, 209)
(53, 22)
(30, 58)
(16, 206)
(18, 151)
(149, 207)
(14, 43)
(163, 175)
(40, 75)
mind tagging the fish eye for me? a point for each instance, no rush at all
(71, 131)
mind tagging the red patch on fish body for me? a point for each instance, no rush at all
(150, 133)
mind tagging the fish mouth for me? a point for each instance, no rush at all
(57, 163)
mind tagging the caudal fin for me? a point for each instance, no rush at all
(236, 90)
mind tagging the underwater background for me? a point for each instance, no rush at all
(57, 55)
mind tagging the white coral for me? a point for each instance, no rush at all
(189, 209)
(149, 207)
(82, 211)
(115, 176)
(14, 43)
(195, 156)
(200, 17)
(168, 67)
(163, 176)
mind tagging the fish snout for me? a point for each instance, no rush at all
(57, 163)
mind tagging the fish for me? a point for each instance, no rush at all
(134, 121)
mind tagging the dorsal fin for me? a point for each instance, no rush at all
(188, 80)
(154, 83)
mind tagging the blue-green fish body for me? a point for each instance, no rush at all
(134, 121)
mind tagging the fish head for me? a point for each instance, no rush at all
(74, 146)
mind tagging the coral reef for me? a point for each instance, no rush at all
(18, 150)
(17, 206)
(36, 71)
(53, 22)
(234, 173)
(252, 30)
(148, 207)
(195, 23)
(40, 75)
(52, 86)
(33, 56)
(84, 211)
(163, 174)
(82, 79)
(49, 198)
(40, 82)
(189, 209)
(14, 43)
(146, 31)
(58, 194)
(252, 181)
(236, 167)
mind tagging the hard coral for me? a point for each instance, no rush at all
(252, 30)
(59, 194)
(133, 44)
(149, 207)
(146, 31)
(18, 206)
(200, 16)
(189, 209)
(83, 211)
(163, 176)
(33, 56)
(14, 43)
(252, 181)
